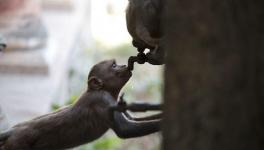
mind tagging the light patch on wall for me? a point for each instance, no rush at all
(108, 22)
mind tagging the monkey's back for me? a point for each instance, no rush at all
(59, 130)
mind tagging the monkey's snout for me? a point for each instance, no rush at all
(124, 73)
(127, 68)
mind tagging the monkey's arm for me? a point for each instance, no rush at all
(125, 128)
(142, 107)
(147, 118)
(136, 107)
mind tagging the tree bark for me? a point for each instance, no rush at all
(214, 76)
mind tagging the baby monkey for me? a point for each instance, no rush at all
(86, 120)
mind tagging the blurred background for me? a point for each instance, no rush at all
(52, 45)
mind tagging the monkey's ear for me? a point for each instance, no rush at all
(95, 83)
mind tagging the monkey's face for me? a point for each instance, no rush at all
(109, 76)
(116, 75)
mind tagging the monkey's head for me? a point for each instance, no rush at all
(109, 76)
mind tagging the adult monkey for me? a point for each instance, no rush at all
(89, 118)
(144, 25)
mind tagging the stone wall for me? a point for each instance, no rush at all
(33, 78)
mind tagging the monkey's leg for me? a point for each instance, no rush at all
(147, 118)
(125, 128)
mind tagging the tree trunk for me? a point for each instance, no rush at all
(214, 76)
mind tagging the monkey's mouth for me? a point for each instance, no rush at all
(126, 73)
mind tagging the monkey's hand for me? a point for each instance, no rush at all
(122, 104)
(155, 57)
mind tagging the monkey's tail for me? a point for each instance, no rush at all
(4, 136)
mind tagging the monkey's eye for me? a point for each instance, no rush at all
(114, 65)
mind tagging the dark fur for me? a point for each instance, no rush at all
(86, 120)
(144, 25)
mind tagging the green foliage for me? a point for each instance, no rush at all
(55, 106)
(105, 143)
(72, 99)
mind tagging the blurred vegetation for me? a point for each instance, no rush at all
(107, 142)
(146, 84)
